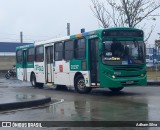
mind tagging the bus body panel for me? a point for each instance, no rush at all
(29, 71)
(76, 66)
(19, 73)
(110, 78)
(86, 75)
(39, 71)
(62, 73)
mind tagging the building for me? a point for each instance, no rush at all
(9, 48)
(7, 54)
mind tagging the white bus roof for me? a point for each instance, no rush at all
(51, 40)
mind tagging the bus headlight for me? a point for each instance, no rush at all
(113, 77)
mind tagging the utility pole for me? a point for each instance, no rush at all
(21, 37)
(68, 29)
(82, 30)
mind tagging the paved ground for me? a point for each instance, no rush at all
(133, 104)
(10, 100)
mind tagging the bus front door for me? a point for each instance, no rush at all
(49, 64)
(24, 65)
(94, 66)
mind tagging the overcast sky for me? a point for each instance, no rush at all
(46, 19)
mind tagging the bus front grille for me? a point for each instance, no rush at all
(128, 68)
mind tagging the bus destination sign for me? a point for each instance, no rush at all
(122, 33)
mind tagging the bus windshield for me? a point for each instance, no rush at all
(123, 52)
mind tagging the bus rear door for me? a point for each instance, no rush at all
(49, 64)
(24, 64)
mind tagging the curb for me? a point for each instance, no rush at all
(25, 104)
(153, 83)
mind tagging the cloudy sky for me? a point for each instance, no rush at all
(46, 19)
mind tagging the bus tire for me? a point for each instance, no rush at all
(80, 86)
(33, 81)
(116, 89)
(7, 75)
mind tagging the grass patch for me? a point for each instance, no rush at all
(152, 74)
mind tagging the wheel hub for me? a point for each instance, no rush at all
(81, 84)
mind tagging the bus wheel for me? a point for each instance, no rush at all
(7, 76)
(33, 80)
(116, 89)
(80, 85)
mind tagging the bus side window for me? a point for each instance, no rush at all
(19, 56)
(69, 49)
(30, 56)
(80, 46)
(39, 54)
(58, 53)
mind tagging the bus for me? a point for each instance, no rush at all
(111, 58)
(24, 61)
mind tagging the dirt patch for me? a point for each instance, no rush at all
(153, 75)
(6, 62)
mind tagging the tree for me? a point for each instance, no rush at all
(157, 43)
(121, 13)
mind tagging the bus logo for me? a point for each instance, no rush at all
(39, 68)
(74, 67)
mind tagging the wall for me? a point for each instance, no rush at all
(7, 53)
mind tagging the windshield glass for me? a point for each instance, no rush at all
(123, 52)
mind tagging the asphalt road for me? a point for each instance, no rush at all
(132, 104)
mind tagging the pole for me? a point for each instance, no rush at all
(21, 37)
(68, 29)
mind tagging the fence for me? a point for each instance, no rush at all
(153, 72)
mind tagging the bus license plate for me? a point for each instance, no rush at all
(129, 82)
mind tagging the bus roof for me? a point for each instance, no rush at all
(121, 28)
(95, 32)
(99, 31)
(25, 46)
(52, 40)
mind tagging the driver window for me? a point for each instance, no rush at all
(117, 49)
(107, 49)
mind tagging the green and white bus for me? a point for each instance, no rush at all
(111, 58)
(24, 61)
